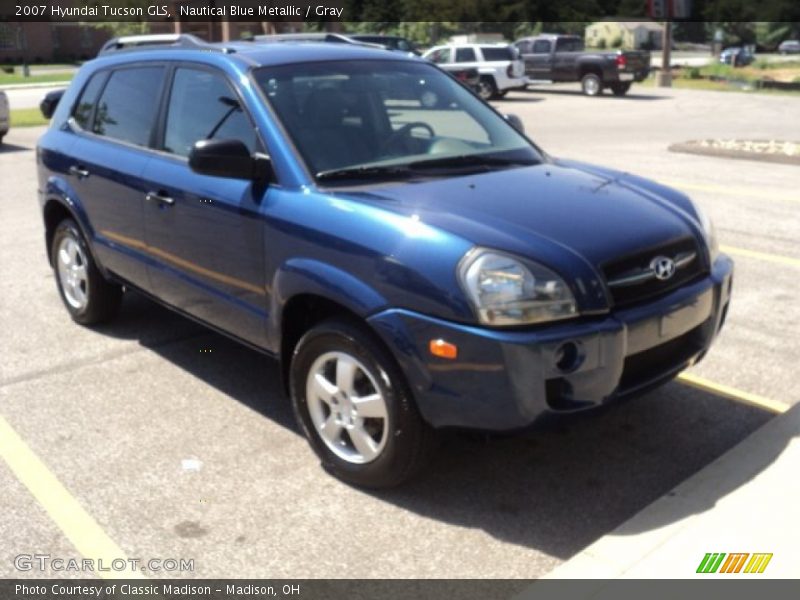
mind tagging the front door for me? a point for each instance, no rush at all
(206, 234)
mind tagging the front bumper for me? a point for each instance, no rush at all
(504, 380)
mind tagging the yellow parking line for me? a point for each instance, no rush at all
(77, 525)
(731, 191)
(767, 256)
(733, 393)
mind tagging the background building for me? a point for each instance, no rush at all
(631, 35)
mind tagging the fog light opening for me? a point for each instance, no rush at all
(567, 357)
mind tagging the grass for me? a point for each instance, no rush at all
(763, 64)
(6, 79)
(27, 117)
(716, 86)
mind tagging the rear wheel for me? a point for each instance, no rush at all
(355, 407)
(591, 84)
(487, 89)
(88, 297)
(620, 88)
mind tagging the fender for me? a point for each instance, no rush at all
(299, 276)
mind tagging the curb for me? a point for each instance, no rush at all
(658, 540)
(688, 148)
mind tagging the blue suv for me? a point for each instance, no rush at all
(408, 255)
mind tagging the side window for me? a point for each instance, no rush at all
(83, 109)
(523, 47)
(541, 47)
(569, 45)
(442, 55)
(202, 106)
(127, 109)
(465, 55)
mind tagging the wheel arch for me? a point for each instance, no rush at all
(306, 292)
(590, 67)
(56, 209)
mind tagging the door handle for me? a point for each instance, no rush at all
(160, 198)
(78, 171)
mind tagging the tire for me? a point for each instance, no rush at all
(487, 89)
(591, 84)
(340, 355)
(501, 94)
(88, 297)
(620, 89)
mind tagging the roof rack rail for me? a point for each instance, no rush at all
(129, 43)
(333, 38)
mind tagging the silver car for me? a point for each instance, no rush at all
(4, 115)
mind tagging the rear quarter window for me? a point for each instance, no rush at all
(464, 55)
(569, 45)
(497, 54)
(127, 107)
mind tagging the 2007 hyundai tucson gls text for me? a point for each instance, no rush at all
(411, 258)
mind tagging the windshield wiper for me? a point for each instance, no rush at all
(365, 172)
(470, 160)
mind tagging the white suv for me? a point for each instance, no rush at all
(4, 115)
(499, 65)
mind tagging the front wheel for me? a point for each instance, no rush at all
(88, 297)
(620, 88)
(591, 84)
(355, 407)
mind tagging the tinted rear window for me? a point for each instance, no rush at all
(492, 54)
(127, 108)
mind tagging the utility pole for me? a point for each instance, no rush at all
(665, 76)
(664, 9)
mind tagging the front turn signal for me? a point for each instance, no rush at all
(443, 349)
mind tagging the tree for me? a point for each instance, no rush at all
(118, 28)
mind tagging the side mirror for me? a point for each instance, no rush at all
(515, 122)
(49, 103)
(228, 158)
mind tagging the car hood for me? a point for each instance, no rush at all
(541, 211)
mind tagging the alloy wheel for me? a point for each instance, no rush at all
(72, 272)
(347, 407)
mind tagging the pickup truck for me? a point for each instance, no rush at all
(562, 58)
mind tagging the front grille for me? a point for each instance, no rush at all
(621, 274)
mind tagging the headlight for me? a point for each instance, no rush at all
(709, 230)
(504, 291)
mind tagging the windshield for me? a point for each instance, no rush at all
(374, 118)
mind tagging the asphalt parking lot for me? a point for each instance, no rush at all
(178, 443)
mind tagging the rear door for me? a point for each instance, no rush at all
(205, 233)
(114, 120)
